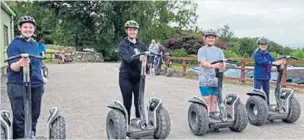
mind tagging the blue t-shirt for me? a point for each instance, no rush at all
(18, 46)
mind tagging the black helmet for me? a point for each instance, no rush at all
(262, 40)
(210, 33)
(26, 19)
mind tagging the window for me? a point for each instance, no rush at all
(5, 35)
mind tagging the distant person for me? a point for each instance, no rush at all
(153, 47)
(42, 47)
(62, 56)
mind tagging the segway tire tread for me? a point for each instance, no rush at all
(262, 112)
(119, 126)
(294, 111)
(202, 125)
(163, 124)
(58, 128)
(241, 118)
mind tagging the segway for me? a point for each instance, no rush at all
(232, 112)
(55, 124)
(287, 107)
(154, 118)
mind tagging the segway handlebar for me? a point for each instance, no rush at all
(23, 55)
(142, 53)
(288, 57)
(224, 60)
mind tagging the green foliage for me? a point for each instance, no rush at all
(180, 53)
(100, 24)
(230, 54)
(298, 53)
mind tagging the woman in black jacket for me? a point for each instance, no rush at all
(129, 73)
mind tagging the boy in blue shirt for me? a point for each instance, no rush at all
(208, 82)
(15, 88)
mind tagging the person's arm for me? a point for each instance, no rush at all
(201, 57)
(12, 50)
(125, 54)
(260, 61)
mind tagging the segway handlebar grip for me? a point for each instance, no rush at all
(224, 60)
(23, 55)
(139, 54)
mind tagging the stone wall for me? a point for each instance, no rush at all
(87, 57)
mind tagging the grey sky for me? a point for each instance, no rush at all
(279, 20)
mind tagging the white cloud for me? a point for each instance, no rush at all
(280, 20)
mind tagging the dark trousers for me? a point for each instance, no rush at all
(128, 88)
(258, 84)
(15, 93)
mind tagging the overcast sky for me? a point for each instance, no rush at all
(279, 20)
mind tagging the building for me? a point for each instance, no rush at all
(6, 32)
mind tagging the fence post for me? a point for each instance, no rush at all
(184, 67)
(167, 63)
(283, 81)
(243, 65)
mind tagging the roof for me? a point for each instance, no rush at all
(7, 9)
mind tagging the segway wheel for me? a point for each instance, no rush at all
(58, 128)
(294, 111)
(257, 110)
(241, 118)
(163, 124)
(198, 119)
(45, 71)
(116, 125)
(3, 134)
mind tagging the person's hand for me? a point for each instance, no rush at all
(142, 58)
(23, 62)
(279, 62)
(216, 66)
(44, 80)
(284, 61)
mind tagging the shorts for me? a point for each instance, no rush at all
(208, 91)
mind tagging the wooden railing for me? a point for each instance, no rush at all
(184, 61)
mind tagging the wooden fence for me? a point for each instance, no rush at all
(243, 62)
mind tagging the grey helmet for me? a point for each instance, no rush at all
(210, 33)
(26, 19)
(262, 40)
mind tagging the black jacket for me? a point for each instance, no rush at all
(130, 68)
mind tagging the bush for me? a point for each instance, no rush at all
(180, 53)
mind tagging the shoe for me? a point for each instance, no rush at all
(214, 115)
(33, 136)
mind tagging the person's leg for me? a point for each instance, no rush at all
(206, 96)
(266, 89)
(135, 89)
(36, 106)
(257, 84)
(214, 100)
(15, 93)
(126, 91)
